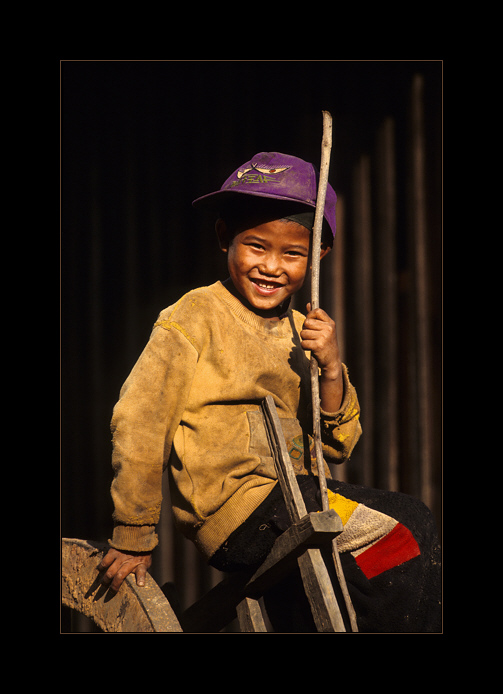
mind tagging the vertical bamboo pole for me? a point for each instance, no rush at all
(338, 274)
(337, 294)
(420, 273)
(386, 351)
(363, 315)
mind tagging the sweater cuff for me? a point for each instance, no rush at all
(134, 538)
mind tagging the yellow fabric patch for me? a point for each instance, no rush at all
(342, 506)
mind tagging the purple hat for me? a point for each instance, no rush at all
(278, 176)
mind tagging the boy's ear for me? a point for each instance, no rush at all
(325, 249)
(222, 234)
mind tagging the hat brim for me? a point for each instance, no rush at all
(212, 200)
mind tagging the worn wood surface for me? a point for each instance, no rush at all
(131, 609)
(251, 619)
(282, 463)
(319, 589)
(326, 147)
(320, 592)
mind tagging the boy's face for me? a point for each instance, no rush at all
(267, 263)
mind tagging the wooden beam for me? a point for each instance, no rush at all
(218, 606)
(250, 616)
(319, 589)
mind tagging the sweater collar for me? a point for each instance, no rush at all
(279, 327)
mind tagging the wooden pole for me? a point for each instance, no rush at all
(363, 359)
(326, 147)
(385, 328)
(421, 361)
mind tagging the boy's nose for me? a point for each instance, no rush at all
(270, 265)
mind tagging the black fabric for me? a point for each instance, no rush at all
(248, 546)
(404, 599)
(305, 219)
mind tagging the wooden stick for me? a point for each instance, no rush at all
(326, 147)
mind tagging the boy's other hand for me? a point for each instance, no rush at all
(319, 336)
(117, 565)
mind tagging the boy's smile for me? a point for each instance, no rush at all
(267, 263)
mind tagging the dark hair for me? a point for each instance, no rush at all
(242, 212)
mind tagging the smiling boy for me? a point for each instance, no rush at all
(268, 264)
(191, 404)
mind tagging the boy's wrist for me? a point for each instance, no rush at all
(331, 389)
(133, 538)
(331, 373)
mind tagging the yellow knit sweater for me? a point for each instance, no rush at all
(192, 404)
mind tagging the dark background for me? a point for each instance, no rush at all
(141, 140)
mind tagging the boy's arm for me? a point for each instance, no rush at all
(339, 408)
(144, 422)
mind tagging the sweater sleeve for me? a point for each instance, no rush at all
(144, 421)
(341, 430)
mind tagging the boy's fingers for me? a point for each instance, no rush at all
(318, 314)
(116, 565)
(124, 570)
(107, 560)
(141, 572)
(313, 325)
(310, 336)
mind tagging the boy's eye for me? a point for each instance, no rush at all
(296, 254)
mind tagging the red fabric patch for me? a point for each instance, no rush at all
(397, 547)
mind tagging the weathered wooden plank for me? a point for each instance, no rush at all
(250, 616)
(131, 609)
(320, 593)
(313, 530)
(216, 608)
(286, 476)
(317, 584)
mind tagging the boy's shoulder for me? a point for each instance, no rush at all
(191, 316)
(195, 301)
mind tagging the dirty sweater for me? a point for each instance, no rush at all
(191, 405)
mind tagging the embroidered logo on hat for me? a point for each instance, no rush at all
(261, 174)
